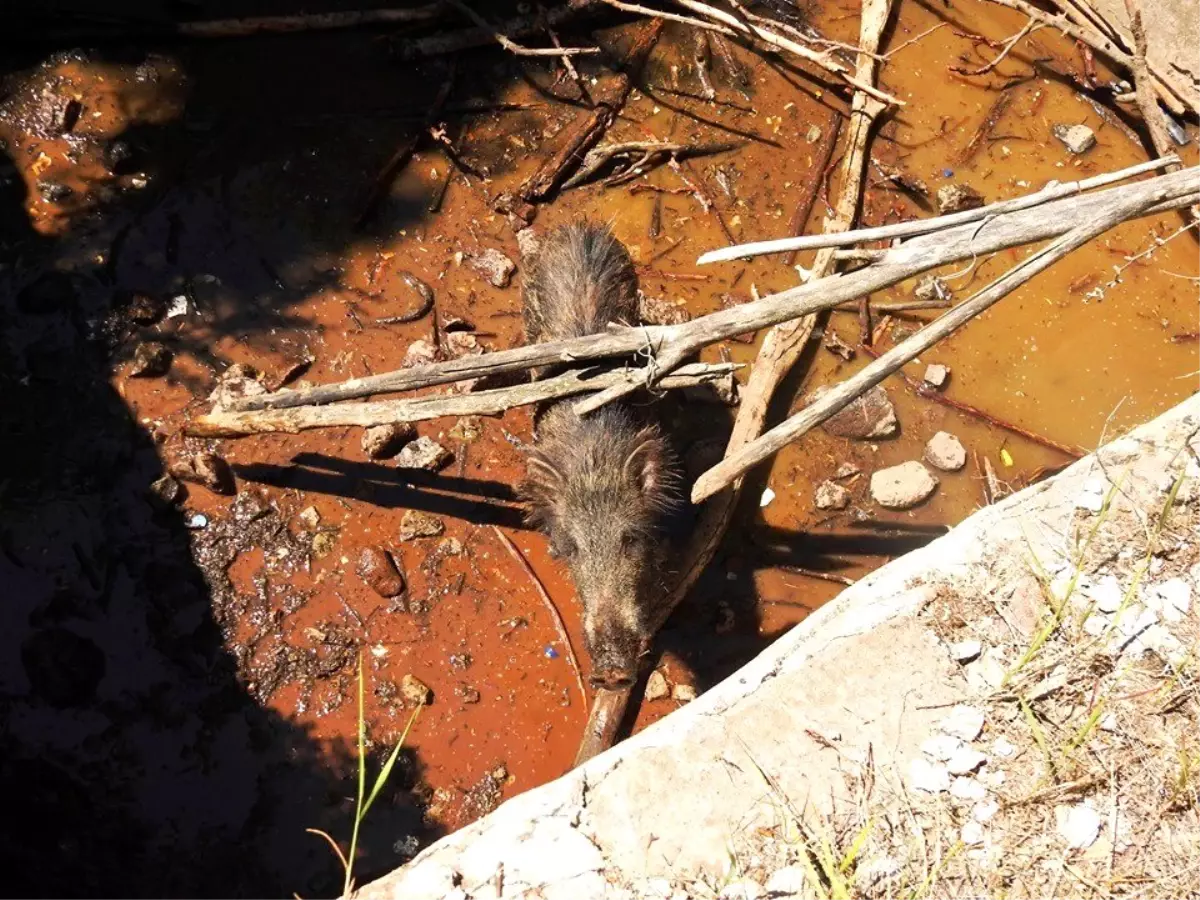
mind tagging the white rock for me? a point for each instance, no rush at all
(941, 747)
(987, 673)
(902, 486)
(967, 789)
(1106, 594)
(1076, 138)
(1091, 495)
(972, 834)
(963, 722)
(1003, 747)
(767, 496)
(929, 777)
(965, 651)
(656, 686)
(785, 882)
(1078, 826)
(1095, 624)
(965, 761)
(831, 495)
(992, 779)
(846, 469)
(872, 875)
(946, 452)
(1175, 598)
(936, 374)
(985, 810)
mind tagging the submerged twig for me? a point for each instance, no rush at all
(649, 154)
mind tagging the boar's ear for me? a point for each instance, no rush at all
(542, 484)
(647, 463)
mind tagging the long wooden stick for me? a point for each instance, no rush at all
(678, 341)
(1053, 191)
(1131, 205)
(221, 423)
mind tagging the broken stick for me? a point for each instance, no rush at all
(223, 423)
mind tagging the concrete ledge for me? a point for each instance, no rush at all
(860, 679)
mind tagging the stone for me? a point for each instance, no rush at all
(1105, 593)
(656, 686)
(965, 760)
(902, 486)
(831, 495)
(529, 244)
(420, 353)
(467, 429)
(965, 651)
(786, 882)
(656, 311)
(417, 524)
(866, 418)
(972, 833)
(985, 810)
(944, 451)
(206, 469)
(493, 265)
(323, 543)
(967, 789)
(963, 722)
(1172, 597)
(150, 359)
(932, 778)
(377, 568)
(846, 470)
(941, 747)
(931, 288)
(937, 375)
(384, 441)
(684, 693)
(1076, 138)
(415, 691)
(235, 383)
(423, 453)
(767, 496)
(143, 309)
(167, 489)
(1078, 825)
(952, 198)
(309, 517)
(467, 693)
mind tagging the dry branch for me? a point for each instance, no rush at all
(222, 423)
(1167, 192)
(452, 41)
(587, 131)
(512, 46)
(648, 152)
(672, 344)
(1052, 191)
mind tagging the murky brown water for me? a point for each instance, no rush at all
(258, 154)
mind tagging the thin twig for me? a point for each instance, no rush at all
(541, 590)
(1030, 27)
(1052, 191)
(931, 393)
(512, 46)
(820, 576)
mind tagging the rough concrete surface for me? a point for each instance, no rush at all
(863, 681)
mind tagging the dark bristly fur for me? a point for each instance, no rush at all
(598, 485)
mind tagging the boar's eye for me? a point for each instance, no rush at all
(631, 541)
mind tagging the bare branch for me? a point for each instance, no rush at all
(512, 46)
(222, 423)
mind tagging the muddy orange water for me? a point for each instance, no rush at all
(179, 683)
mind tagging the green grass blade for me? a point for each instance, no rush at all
(386, 771)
